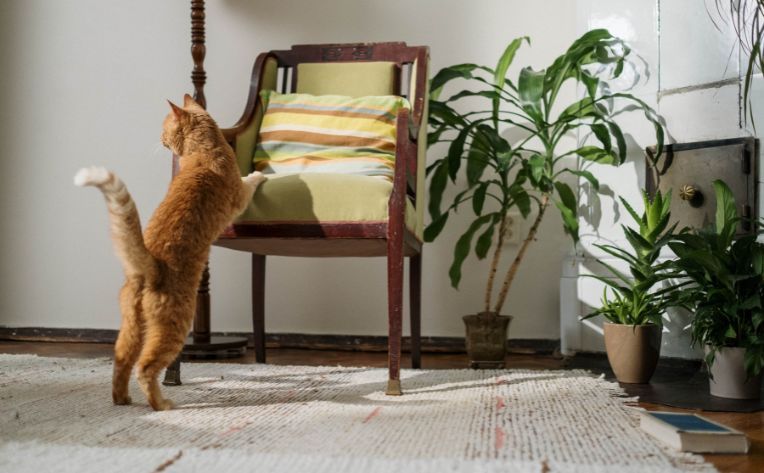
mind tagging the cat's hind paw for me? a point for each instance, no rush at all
(163, 405)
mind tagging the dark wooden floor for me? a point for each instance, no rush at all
(751, 424)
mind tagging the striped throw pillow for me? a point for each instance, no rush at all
(328, 134)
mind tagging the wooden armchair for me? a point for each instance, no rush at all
(278, 222)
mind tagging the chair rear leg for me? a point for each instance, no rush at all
(395, 311)
(258, 305)
(415, 309)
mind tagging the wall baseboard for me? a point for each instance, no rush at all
(539, 346)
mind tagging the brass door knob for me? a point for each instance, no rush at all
(691, 195)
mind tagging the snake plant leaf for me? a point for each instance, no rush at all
(433, 229)
(437, 186)
(501, 72)
(462, 249)
(530, 87)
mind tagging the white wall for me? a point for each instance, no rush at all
(84, 82)
(688, 54)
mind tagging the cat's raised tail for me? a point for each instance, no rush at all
(125, 223)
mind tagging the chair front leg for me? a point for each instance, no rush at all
(258, 305)
(395, 311)
(172, 373)
(415, 309)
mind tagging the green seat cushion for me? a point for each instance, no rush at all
(323, 198)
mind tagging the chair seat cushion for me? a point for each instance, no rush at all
(323, 198)
(303, 133)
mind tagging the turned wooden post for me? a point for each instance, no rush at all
(198, 51)
(199, 78)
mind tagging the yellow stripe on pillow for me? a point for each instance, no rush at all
(327, 133)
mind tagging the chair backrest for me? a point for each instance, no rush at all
(342, 69)
(349, 69)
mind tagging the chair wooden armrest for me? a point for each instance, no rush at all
(249, 109)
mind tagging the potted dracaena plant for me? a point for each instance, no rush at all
(526, 175)
(633, 303)
(727, 298)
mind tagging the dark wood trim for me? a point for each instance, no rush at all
(284, 340)
(258, 306)
(415, 309)
(198, 51)
(398, 52)
(252, 97)
(305, 230)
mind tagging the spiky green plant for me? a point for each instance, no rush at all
(642, 296)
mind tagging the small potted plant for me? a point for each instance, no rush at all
(529, 172)
(633, 304)
(727, 298)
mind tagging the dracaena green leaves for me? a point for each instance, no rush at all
(502, 174)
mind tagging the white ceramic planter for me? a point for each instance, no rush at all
(728, 376)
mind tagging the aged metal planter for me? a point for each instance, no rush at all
(486, 339)
(728, 376)
(633, 351)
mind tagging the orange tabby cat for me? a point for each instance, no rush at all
(164, 265)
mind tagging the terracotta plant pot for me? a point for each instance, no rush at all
(486, 339)
(728, 377)
(633, 351)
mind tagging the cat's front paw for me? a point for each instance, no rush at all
(255, 179)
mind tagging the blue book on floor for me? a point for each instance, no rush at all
(693, 433)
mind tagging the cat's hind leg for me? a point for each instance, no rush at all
(162, 344)
(129, 341)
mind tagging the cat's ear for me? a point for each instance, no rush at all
(177, 111)
(189, 101)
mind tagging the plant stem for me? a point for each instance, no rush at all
(495, 261)
(518, 259)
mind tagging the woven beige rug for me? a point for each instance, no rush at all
(56, 415)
